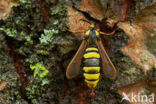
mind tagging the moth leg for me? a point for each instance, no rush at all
(103, 33)
(81, 31)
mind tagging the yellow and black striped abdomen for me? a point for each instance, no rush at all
(91, 66)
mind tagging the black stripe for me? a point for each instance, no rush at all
(92, 79)
(91, 58)
(92, 66)
(91, 72)
(91, 51)
(91, 61)
(92, 46)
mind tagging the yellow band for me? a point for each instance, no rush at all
(88, 69)
(91, 49)
(91, 84)
(91, 55)
(91, 76)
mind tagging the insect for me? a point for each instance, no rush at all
(93, 54)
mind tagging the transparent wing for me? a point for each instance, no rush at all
(74, 66)
(107, 66)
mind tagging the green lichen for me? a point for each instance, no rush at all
(4, 14)
(39, 69)
(143, 59)
(46, 37)
(9, 31)
(23, 23)
(22, 1)
(52, 44)
(129, 71)
(43, 52)
(58, 10)
(11, 92)
(36, 88)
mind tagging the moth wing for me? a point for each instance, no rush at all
(107, 66)
(74, 65)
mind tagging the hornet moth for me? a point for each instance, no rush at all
(93, 54)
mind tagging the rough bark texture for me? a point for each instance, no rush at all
(45, 33)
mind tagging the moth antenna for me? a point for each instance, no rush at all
(85, 21)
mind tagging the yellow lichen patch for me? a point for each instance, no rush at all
(5, 8)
